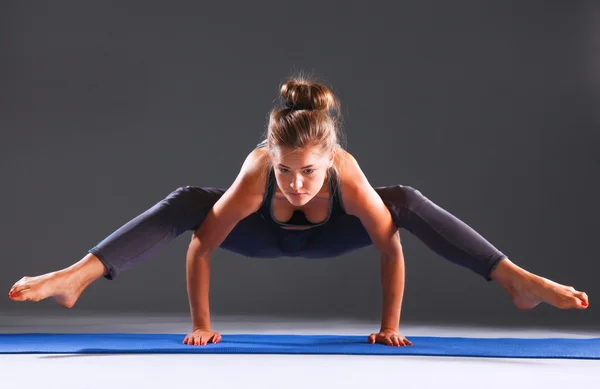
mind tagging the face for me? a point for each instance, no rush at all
(301, 173)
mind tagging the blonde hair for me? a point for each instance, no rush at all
(311, 117)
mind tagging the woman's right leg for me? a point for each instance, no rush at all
(139, 239)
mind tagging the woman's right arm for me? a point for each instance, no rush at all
(242, 199)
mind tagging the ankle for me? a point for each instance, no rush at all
(85, 271)
(507, 273)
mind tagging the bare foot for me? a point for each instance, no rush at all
(63, 286)
(527, 290)
(60, 286)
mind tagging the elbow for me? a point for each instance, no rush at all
(392, 254)
(198, 248)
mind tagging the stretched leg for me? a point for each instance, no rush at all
(439, 230)
(457, 242)
(142, 237)
(182, 210)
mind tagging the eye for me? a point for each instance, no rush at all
(309, 171)
(283, 170)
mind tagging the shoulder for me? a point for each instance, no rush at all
(252, 177)
(256, 166)
(246, 193)
(354, 185)
(361, 200)
(349, 172)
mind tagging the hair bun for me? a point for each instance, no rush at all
(301, 94)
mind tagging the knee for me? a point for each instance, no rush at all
(193, 194)
(400, 195)
(182, 191)
(191, 200)
(402, 201)
(181, 195)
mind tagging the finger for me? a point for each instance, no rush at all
(210, 339)
(372, 339)
(217, 338)
(196, 340)
(186, 339)
(396, 341)
(205, 339)
(408, 342)
(389, 341)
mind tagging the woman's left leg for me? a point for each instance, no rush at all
(457, 242)
(441, 231)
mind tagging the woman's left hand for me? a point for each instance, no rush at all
(389, 337)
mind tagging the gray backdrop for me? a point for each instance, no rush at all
(488, 108)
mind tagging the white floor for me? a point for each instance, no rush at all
(279, 371)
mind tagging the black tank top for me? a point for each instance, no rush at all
(298, 218)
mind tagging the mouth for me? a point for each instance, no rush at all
(296, 194)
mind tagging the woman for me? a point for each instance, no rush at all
(297, 194)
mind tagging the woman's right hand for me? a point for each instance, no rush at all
(202, 337)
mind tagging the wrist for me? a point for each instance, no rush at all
(202, 328)
(201, 323)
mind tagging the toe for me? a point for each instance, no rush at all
(17, 296)
(19, 285)
(583, 297)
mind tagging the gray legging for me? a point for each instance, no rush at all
(256, 236)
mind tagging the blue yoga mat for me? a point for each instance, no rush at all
(299, 344)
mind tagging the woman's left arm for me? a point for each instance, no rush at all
(392, 283)
(361, 200)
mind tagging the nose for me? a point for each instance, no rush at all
(296, 183)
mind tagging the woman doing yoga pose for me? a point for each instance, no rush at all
(298, 194)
